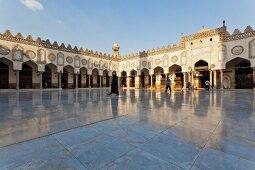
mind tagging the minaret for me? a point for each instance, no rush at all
(116, 50)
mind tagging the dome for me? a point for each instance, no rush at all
(115, 45)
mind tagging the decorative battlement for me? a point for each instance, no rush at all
(237, 34)
(7, 36)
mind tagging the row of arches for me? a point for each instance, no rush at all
(238, 74)
(29, 77)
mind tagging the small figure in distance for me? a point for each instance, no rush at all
(168, 84)
(114, 85)
(207, 85)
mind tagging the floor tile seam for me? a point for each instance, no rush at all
(21, 165)
(231, 154)
(211, 134)
(49, 134)
(66, 149)
(119, 157)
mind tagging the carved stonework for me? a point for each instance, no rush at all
(132, 65)
(158, 61)
(123, 66)
(165, 60)
(212, 66)
(4, 50)
(52, 57)
(237, 50)
(84, 61)
(30, 54)
(115, 66)
(17, 53)
(144, 63)
(60, 59)
(105, 65)
(69, 59)
(96, 64)
(77, 61)
(252, 49)
(174, 59)
(183, 58)
(41, 56)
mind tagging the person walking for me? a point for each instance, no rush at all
(168, 84)
(207, 85)
(114, 85)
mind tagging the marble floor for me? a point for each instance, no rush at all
(140, 129)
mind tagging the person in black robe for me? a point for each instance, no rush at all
(114, 85)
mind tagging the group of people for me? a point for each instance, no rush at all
(115, 89)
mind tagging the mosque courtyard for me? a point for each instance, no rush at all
(139, 129)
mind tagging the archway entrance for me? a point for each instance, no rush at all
(124, 78)
(67, 77)
(82, 78)
(26, 75)
(145, 78)
(133, 74)
(201, 74)
(176, 75)
(106, 79)
(4, 75)
(242, 73)
(159, 78)
(95, 78)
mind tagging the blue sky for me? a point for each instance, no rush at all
(136, 25)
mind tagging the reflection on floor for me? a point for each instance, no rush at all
(140, 129)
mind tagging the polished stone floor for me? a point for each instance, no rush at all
(140, 129)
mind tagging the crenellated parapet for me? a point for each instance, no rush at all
(19, 38)
(237, 34)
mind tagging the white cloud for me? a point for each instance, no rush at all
(32, 4)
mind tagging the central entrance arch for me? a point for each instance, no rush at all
(159, 77)
(49, 76)
(106, 79)
(95, 78)
(201, 74)
(67, 78)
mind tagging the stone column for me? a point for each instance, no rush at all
(215, 79)
(192, 78)
(221, 79)
(137, 81)
(76, 80)
(17, 79)
(40, 80)
(151, 81)
(119, 82)
(110, 81)
(89, 81)
(254, 78)
(184, 80)
(158, 81)
(128, 82)
(210, 72)
(100, 81)
(59, 80)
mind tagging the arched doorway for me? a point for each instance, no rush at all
(27, 73)
(145, 78)
(124, 78)
(176, 75)
(5, 65)
(159, 77)
(67, 77)
(95, 78)
(241, 73)
(133, 74)
(106, 79)
(83, 77)
(201, 74)
(49, 76)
